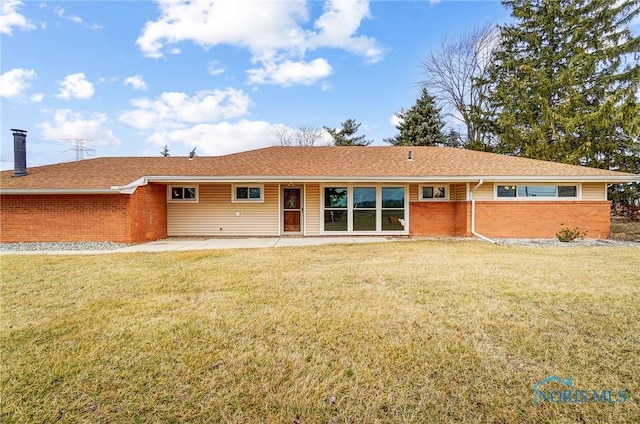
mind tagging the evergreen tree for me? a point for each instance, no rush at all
(564, 82)
(421, 125)
(345, 136)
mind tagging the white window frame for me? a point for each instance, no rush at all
(234, 192)
(535, 198)
(447, 193)
(170, 189)
(379, 209)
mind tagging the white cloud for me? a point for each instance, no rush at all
(395, 121)
(75, 86)
(253, 25)
(74, 18)
(137, 82)
(10, 18)
(434, 2)
(37, 98)
(338, 25)
(69, 124)
(215, 68)
(176, 110)
(274, 32)
(288, 72)
(13, 82)
(217, 139)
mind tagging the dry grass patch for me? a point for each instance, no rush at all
(397, 332)
(625, 230)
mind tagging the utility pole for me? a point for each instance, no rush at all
(80, 147)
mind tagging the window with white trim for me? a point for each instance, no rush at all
(364, 209)
(393, 209)
(528, 191)
(335, 209)
(177, 193)
(247, 193)
(434, 192)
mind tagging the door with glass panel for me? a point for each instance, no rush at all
(292, 210)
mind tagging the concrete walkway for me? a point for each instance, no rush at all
(169, 245)
(243, 243)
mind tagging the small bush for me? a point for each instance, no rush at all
(566, 234)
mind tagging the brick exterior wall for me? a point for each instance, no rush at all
(121, 218)
(542, 219)
(148, 213)
(521, 219)
(434, 219)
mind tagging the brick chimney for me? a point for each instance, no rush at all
(19, 153)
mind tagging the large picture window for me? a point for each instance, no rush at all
(536, 191)
(392, 208)
(335, 209)
(364, 209)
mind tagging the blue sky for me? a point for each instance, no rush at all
(132, 76)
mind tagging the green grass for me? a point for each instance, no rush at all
(412, 331)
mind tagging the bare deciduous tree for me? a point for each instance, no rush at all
(304, 135)
(451, 72)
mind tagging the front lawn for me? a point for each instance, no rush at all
(410, 331)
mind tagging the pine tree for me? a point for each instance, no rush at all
(564, 82)
(421, 125)
(345, 136)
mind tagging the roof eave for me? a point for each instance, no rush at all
(396, 179)
(40, 191)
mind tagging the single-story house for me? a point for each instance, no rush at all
(305, 191)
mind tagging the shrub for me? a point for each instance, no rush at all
(567, 234)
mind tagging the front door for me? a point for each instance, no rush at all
(292, 210)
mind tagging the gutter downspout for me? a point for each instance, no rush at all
(473, 215)
(131, 187)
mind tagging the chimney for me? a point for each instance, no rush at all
(19, 153)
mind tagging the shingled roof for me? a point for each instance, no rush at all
(303, 164)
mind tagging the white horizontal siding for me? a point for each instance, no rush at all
(458, 192)
(594, 191)
(312, 212)
(414, 193)
(215, 215)
(484, 192)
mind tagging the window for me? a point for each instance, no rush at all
(567, 191)
(434, 192)
(537, 191)
(335, 209)
(364, 209)
(393, 209)
(182, 194)
(243, 193)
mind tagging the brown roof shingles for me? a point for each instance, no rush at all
(298, 162)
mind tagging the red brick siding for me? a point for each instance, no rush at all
(462, 212)
(148, 213)
(428, 219)
(122, 218)
(542, 219)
